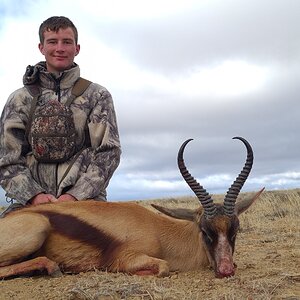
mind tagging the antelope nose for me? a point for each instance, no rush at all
(226, 272)
(225, 269)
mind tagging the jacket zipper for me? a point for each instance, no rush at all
(58, 93)
(57, 85)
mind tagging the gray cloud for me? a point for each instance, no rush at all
(158, 106)
(258, 31)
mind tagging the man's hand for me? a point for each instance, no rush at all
(66, 197)
(42, 198)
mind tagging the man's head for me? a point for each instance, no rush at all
(58, 43)
(56, 23)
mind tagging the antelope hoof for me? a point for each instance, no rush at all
(56, 273)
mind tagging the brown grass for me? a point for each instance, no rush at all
(267, 256)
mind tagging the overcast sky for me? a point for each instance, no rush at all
(208, 70)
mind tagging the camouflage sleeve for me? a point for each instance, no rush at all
(106, 150)
(15, 177)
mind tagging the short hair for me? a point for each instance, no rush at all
(56, 23)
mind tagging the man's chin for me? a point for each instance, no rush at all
(58, 68)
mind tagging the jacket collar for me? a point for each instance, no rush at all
(39, 74)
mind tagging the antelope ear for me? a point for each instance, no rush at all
(178, 213)
(244, 204)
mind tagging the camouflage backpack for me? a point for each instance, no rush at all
(51, 130)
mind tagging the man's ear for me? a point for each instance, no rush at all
(41, 48)
(77, 49)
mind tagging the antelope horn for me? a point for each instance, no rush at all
(234, 190)
(204, 198)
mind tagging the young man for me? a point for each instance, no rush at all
(86, 174)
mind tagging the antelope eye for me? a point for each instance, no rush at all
(233, 233)
(232, 238)
(206, 236)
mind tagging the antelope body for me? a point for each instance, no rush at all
(125, 237)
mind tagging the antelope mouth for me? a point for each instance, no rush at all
(224, 275)
(225, 269)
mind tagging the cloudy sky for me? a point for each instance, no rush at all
(208, 70)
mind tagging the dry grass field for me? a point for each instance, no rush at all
(267, 257)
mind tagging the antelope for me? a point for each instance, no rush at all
(75, 237)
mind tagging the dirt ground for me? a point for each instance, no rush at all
(267, 257)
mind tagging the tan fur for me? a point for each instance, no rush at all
(221, 223)
(146, 240)
(118, 237)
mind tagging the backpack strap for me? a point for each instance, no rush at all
(35, 91)
(78, 89)
(70, 165)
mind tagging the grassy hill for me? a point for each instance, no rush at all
(267, 257)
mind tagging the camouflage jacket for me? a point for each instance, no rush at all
(23, 177)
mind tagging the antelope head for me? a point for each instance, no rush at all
(218, 224)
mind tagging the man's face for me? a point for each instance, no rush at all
(59, 49)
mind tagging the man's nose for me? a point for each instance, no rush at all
(60, 46)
